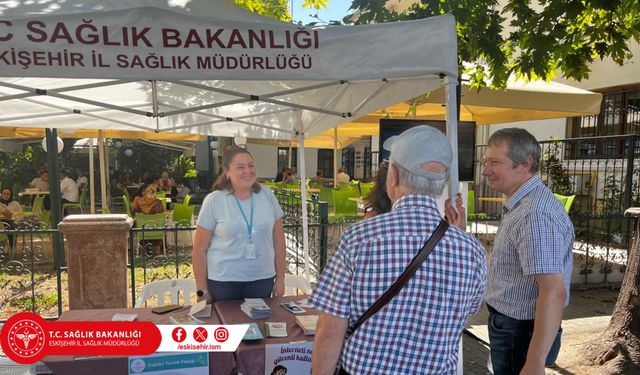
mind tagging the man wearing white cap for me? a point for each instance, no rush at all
(418, 330)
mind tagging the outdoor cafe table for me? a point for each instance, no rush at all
(250, 355)
(220, 363)
(492, 199)
(33, 192)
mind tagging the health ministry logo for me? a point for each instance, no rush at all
(25, 337)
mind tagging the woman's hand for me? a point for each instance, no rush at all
(456, 216)
(278, 287)
(206, 297)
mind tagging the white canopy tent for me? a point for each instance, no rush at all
(209, 67)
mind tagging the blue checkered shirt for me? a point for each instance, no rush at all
(535, 237)
(418, 331)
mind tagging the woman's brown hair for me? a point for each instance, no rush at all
(377, 200)
(223, 183)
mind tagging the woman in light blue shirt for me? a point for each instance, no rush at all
(239, 248)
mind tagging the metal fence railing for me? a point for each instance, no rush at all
(603, 173)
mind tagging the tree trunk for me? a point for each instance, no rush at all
(617, 350)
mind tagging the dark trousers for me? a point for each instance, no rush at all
(230, 290)
(509, 340)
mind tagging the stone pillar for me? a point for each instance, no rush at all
(96, 252)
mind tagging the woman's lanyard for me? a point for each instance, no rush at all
(250, 221)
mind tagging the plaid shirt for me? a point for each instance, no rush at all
(418, 331)
(535, 237)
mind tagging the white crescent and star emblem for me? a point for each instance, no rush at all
(26, 338)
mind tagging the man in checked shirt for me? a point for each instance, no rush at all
(531, 261)
(418, 331)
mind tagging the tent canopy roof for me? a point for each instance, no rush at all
(207, 68)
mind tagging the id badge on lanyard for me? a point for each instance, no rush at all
(250, 246)
(250, 249)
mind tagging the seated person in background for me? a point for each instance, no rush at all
(117, 188)
(125, 179)
(280, 175)
(287, 176)
(148, 203)
(82, 180)
(41, 183)
(68, 190)
(181, 190)
(343, 177)
(10, 211)
(166, 182)
(144, 178)
(319, 176)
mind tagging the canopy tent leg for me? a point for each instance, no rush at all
(335, 157)
(92, 178)
(452, 132)
(103, 178)
(303, 192)
(56, 203)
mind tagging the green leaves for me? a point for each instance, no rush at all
(524, 38)
(315, 4)
(278, 9)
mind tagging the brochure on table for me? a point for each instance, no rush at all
(293, 358)
(173, 363)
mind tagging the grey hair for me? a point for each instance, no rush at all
(418, 184)
(522, 145)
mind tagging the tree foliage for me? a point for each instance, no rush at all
(278, 9)
(533, 40)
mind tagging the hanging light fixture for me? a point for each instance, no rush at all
(59, 141)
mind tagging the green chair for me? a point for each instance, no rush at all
(566, 200)
(81, 203)
(183, 215)
(471, 207)
(127, 205)
(36, 208)
(186, 200)
(269, 184)
(344, 207)
(345, 186)
(326, 195)
(150, 221)
(365, 188)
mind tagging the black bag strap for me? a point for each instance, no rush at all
(406, 275)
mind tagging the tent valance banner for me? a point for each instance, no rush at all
(158, 43)
(189, 66)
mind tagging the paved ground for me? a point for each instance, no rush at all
(586, 316)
